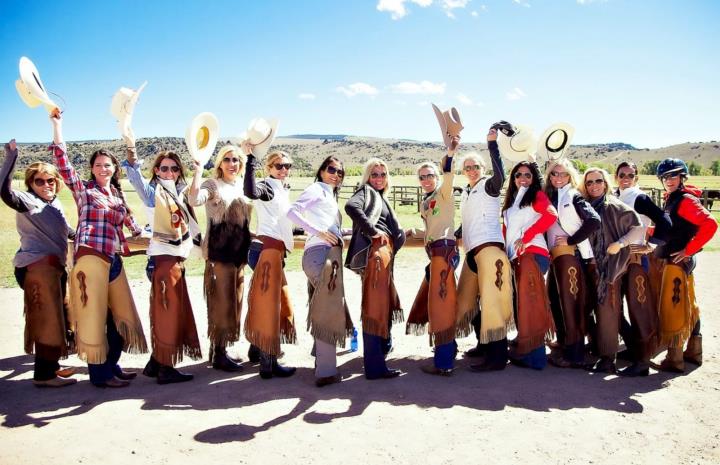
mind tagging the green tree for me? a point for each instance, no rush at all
(579, 165)
(694, 169)
(715, 168)
(650, 167)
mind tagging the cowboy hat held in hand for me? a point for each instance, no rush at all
(30, 87)
(122, 107)
(450, 124)
(555, 141)
(520, 146)
(504, 127)
(260, 135)
(201, 137)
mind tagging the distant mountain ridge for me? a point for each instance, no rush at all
(308, 150)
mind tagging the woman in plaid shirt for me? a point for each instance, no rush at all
(97, 281)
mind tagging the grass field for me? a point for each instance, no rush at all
(135, 266)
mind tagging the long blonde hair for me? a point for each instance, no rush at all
(367, 170)
(605, 175)
(569, 167)
(234, 149)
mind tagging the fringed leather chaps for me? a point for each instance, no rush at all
(173, 328)
(534, 321)
(45, 325)
(270, 319)
(568, 280)
(328, 316)
(380, 301)
(224, 286)
(90, 297)
(642, 308)
(678, 308)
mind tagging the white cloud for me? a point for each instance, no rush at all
(515, 94)
(358, 88)
(467, 101)
(474, 14)
(422, 88)
(306, 96)
(587, 2)
(397, 8)
(522, 3)
(449, 5)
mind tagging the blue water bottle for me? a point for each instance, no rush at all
(353, 341)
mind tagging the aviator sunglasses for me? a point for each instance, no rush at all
(471, 168)
(626, 175)
(424, 177)
(590, 182)
(378, 175)
(174, 169)
(519, 175)
(287, 166)
(39, 182)
(332, 170)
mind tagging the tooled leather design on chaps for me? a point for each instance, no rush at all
(572, 271)
(640, 283)
(265, 277)
(333, 276)
(676, 291)
(83, 287)
(498, 274)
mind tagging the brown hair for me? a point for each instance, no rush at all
(42, 168)
(273, 157)
(115, 179)
(169, 154)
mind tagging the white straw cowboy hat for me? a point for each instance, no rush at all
(555, 141)
(30, 87)
(260, 133)
(450, 123)
(201, 137)
(519, 146)
(122, 106)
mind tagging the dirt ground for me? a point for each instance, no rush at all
(513, 416)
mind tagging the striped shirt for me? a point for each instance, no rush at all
(101, 211)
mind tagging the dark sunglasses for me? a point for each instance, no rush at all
(174, 169)
(231, 160)
(332, 170)
(520, 175)
(471, 168)
(590, 182)
(378, 175)
(665, 177)
(626, 175)
(558, 174)
(39, 182)
(279, 166)
(424, 177)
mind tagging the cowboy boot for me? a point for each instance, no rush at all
(266, 365)
(281, 371)
(221, 361)
(693, 353)
(673, 361)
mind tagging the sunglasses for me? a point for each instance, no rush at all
(559, 174)
(525, 175)
(378, 175)
(231, 160)
(626, 175)
(174, 169)
(665, 177)
(471, 168)
(424, 177)
(39, 182)
(280, 166)
(597, 182)
(332, 170)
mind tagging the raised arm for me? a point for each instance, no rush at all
(446, 189)
(9, 196)
(144, 189)
(67, 172)
(253, 189)
(493, 186)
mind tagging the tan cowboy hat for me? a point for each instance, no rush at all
(519, 146)
(555, 141)
(30, 86)
(122, 106)
(260, 133)
(201, 137)
(450, 123)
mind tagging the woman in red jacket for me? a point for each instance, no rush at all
(692, 228)
(527, 214)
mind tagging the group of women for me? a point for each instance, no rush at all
(555, 258)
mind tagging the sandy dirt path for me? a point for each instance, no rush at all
(513, 416)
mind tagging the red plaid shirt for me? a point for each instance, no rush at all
(101, 212)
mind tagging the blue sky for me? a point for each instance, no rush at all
(642, 72)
